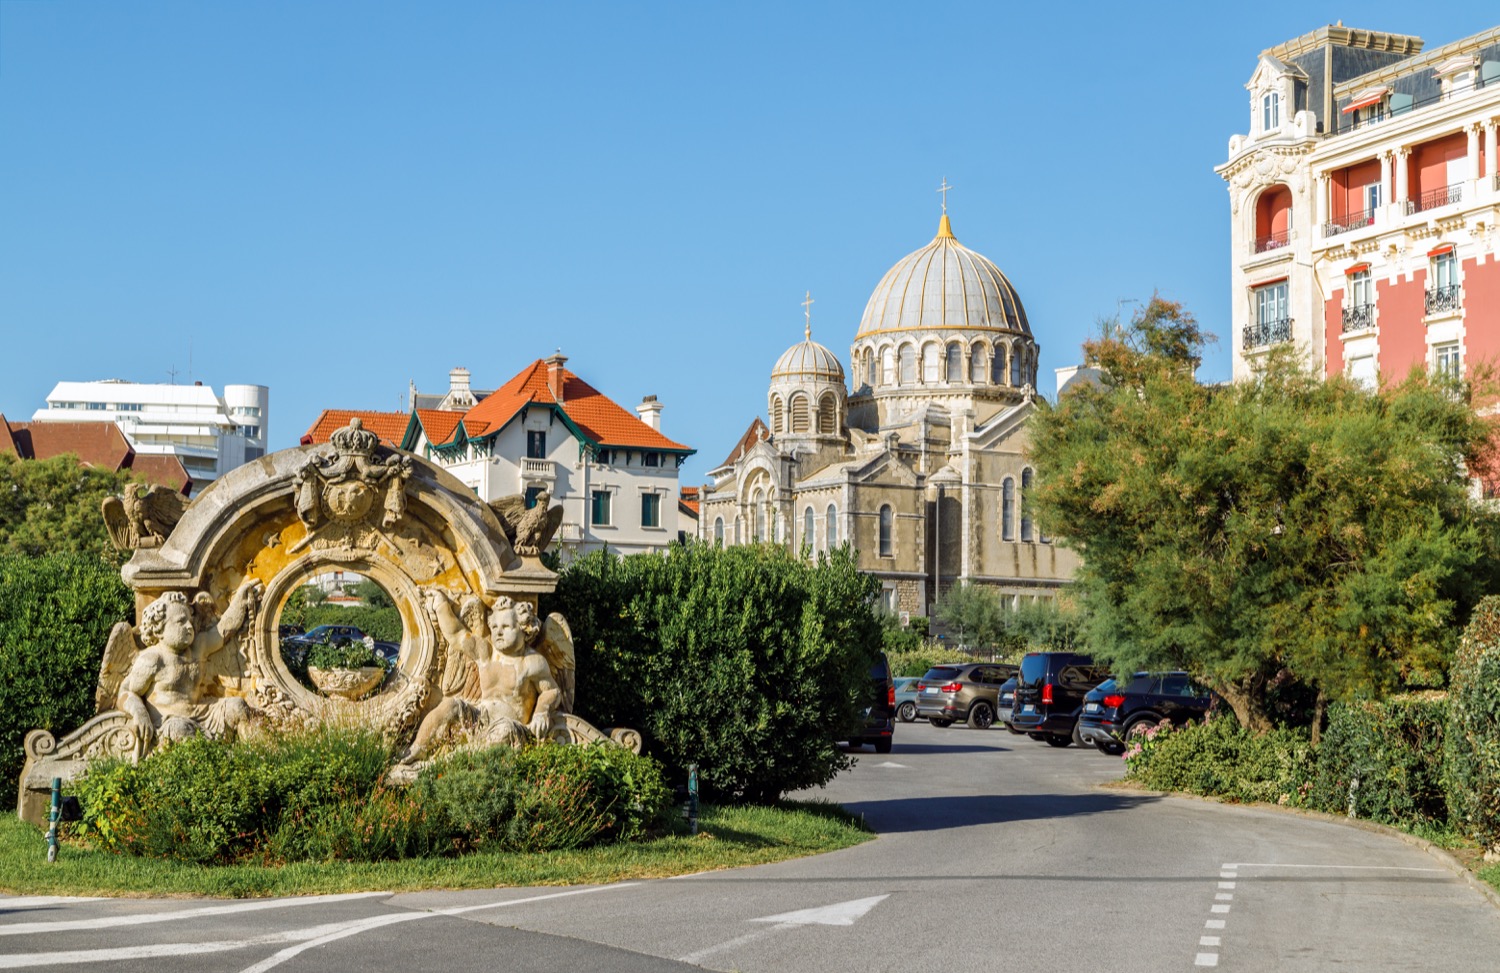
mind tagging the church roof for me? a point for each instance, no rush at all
(944, 285)
(808, 360)
(758, 430)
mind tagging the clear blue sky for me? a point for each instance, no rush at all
(335, 198)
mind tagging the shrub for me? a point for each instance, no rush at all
(918, 661)
(55, 615)
(343, 654)
(1472, 758)
(747, 660)
(626, 790)
(472, 794)
(383, 624)
(1223, 759)
(1395, 749)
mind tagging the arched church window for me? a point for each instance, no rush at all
(719, 531)
(755, 517)
(1015, 367)
(799, 413)
(977, 365)
(1008, 510)
(870, 367)
(809, 534)
(1026, 505)
(997, 366)
(888, 366)
(929, 363)
(831, 528)
(887, 520)
(828, 414)
(955, 363)
(908, 365)
(776, 416)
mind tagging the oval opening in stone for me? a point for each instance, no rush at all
(340, 634)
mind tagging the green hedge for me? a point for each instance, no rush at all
(1221, 758)
(916, 662)
(55, 615)
(382, 624)
(1395, 750)
(747, 660)
(1472, 766)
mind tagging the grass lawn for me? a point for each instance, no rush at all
(728, 838)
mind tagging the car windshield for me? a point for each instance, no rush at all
(943, 673)
(1105, 686)
(1033, 668)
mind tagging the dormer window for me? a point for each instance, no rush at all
(1367, 106)
(1270, 111)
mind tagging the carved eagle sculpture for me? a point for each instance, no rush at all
(143, 516)
(528, 530)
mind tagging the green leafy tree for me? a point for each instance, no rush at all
(750, 661)
(975, 613)
(52, 505)
(371, 594)
(1287, 524)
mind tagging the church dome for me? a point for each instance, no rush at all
(808, 360)
(944, 286)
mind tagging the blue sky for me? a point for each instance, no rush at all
(333, 199)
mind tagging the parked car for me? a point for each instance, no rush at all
(295, 647)
(1049, 694)
(1114, 711)
(880, 718)
(965, 692)
(1005, 698)
(287, 631)
(906, 698)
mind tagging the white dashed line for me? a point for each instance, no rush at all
(1206, 959)
(1224, 896)
(1214, 924)
(1208, 940)
(1218, 908)
(1226, 885)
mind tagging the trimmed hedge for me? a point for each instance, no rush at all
(917, 661)
(382, 624)
(1395, 750)
(55, 615)
(1223, 759)
(1472, 767)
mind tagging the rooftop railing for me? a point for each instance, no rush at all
(1435, 198)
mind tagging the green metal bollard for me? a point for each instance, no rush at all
(693, 798)
(52, 817)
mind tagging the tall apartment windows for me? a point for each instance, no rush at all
(1442, 296)
(887, 521)
(1445, 360)
(651, 510)
(1270, 111)
(1008, 510)
(599, 508)
(1025, 505)
(536, 444)
(1372, 197)
(1359, 313)
(1273, 321)
(831, 528)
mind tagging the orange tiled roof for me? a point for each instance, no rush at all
(595, 414)
(389, 426)
(166, 470)
(753, 435)
(438, 424)
(99, 444)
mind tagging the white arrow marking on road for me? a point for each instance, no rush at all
(890, 763)
(839, 914)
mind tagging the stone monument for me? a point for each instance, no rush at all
(210, 581)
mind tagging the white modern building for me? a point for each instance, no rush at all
(209, 434)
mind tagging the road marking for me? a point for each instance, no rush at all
(1206, 959)
(1226, 885)
(1376, 868)
(1227, 875)
(1218, 908)
(1208, 940)
(142, 918)
(1224, 896)
(891, 763)
(1214, 924)
(838, 914)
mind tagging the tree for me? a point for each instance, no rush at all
(975, 612)
(1288, 524)
(371, 594)
(52, 506)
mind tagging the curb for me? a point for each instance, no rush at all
(1446, 860)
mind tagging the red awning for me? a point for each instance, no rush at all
(1439, 251)
(1355, 269)
(1366, 98)
(1267, 283)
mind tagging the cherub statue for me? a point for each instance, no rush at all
(528, 530)
(142, 516)
(518, 697)
(163, 692)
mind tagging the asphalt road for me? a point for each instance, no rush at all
(996, 853)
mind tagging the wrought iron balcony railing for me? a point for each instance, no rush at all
(1442, 299)
(1349, 221)
(1271, 332)
(1358, 317)
(1272, 241)
(1435, 198)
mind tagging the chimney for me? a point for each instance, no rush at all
(458, 381)
(555, 375)
(650, 412)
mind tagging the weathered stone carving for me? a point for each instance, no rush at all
(204, 656)
(529, 531)
(143, 516)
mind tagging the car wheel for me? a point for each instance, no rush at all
(1037, 736)
(1111, 749)
(1012, 728)
(981, 716)
(1078, 735)
(939, 722)
(882, 746)
(906, 712)
(1139, 726)
(1059, 741)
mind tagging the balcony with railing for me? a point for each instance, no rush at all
(1358, 317)
(1261, 333)
(538, 469)
(1273, 241)
(1442, 300)
(1435, 198)
(1350, 221)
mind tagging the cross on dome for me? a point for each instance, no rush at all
(944, 190)
(807, 313)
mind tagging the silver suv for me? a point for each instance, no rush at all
(962, 693)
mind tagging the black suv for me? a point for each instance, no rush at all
(880, 718)
(1115, 710)
(1049, 694)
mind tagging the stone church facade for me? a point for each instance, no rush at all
(922, 466)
